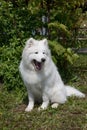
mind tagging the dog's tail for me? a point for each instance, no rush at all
(71, 91)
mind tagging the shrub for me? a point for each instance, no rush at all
(64, 59)
(17, 21)
(11, 56)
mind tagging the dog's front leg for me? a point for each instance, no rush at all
(45, 102)
(31, 103)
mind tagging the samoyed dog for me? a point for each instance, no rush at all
(41, 77)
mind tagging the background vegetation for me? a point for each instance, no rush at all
(57, 20)
(62, 23)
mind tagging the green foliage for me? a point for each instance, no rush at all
(17, 22)
(11, 56)
(64, 58)
(59, 52)
(64, 18)
(58, 27)
(9, 62)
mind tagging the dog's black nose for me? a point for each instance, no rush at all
(43, 60)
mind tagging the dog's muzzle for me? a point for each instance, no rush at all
(38, 65)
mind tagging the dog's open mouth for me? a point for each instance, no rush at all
(38, 65)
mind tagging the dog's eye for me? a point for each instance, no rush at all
(36, 52)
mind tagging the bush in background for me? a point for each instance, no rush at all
(19, 21)
(11, 56)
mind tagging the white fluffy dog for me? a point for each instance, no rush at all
(41, 77)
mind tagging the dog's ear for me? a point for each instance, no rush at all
(45, 41)
(30, 42)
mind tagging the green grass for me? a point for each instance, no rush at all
(70, 116)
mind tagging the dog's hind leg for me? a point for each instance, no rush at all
(54, 105)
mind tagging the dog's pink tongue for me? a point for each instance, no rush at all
(38, 65)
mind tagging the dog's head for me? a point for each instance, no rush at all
(36, 54)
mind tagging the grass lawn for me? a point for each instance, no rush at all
(70, 116)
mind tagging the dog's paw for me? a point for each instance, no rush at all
(28, 109)
(54, 105)
(42, 108)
